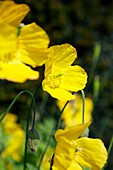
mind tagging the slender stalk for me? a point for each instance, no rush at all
(83, 105)
(109, 150)
(96, 54)
(28, 119)
(27, 126)
(57, 126)
(59, 121)
(48, 142)
(25, 155)
(110, 145)
(10, 106)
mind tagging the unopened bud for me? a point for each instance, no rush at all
(33, 139)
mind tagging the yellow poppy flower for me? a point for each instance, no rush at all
(17, 51)
(29, 47)
(60, 77)
(72, 113)
(16, 137)
(72, 153)
(11, 67)
(12, 13)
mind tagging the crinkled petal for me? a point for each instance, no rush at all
(33, 44)
(64, 154)
(17, 72)
(8, 39)
(93, 153)
(71, 133)
(75, 166)
(58, 93)
(13, 13)
(74, 79)
(62, 56)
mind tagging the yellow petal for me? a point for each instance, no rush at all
(13, 13)
(33, 43)
(62, 56)
(92, 154)
(71, 133)
(75, 166)
(47, 156)
(17, 72)
(8, 39)
(58, 93)
(64, 154)
(74, 79)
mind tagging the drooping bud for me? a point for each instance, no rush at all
(33, 139)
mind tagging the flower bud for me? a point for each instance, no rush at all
(33, 139)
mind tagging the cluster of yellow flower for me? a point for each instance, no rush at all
(23, 46)
(15, 137)
(20, 44)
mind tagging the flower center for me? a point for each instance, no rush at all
(54, 81)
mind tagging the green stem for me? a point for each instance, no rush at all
(83, 105)
(96, 54)
(110, 145)
(52, 133)
(10, 106)
(48, 142)
(109, 149)
(57, 127)
(60, 118)
(27, 126)
(28, 119)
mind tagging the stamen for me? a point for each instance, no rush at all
(53, 81)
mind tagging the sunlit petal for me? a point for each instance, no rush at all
(58, 93)
(17, 72)
(13, 13)
(71, 133)
(75, 79)
(62, 56)
(33, 43)
(93, 153)
(7, 39)
(64, 154)
(59, 74)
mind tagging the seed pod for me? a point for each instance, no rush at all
(33, 139)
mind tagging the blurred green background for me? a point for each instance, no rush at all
(88, 26)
